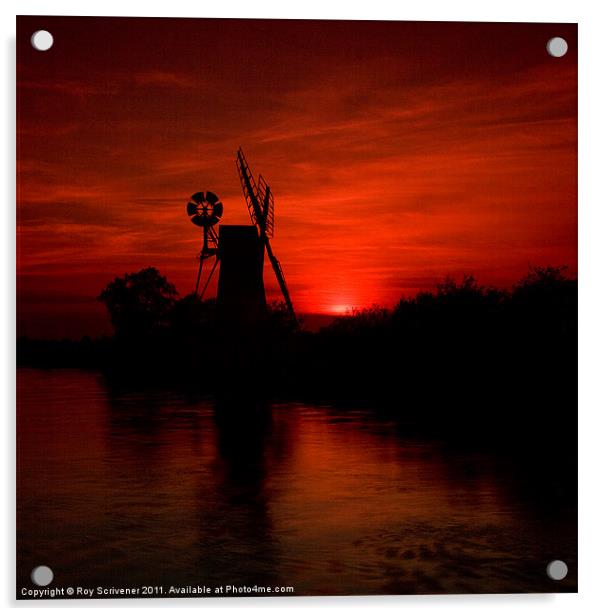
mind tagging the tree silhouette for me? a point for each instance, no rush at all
(546, 301)
(139, 303)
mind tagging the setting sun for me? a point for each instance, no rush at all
(341, 309)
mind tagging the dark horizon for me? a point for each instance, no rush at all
(95, 322)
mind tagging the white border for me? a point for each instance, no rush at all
(590, 290)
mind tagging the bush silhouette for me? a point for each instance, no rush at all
(191, 318)
(139, 303)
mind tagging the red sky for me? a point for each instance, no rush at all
(398, 153)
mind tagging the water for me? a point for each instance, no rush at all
(125, 488)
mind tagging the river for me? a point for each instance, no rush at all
(121, 488)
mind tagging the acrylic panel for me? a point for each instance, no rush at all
(296, 307)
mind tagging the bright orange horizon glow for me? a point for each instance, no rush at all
(398, 154)
(340, 309)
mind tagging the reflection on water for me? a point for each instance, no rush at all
(157, 488)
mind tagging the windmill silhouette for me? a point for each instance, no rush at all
(205, 210)
(239, 249)
(260, 203)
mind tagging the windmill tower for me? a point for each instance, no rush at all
(205, 210)
(260, 203)
(239, 249)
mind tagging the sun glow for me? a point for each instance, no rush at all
(341, 309)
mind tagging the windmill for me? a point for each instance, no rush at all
(205, 210)
(260, 203)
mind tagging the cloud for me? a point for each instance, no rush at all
(163, 79)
